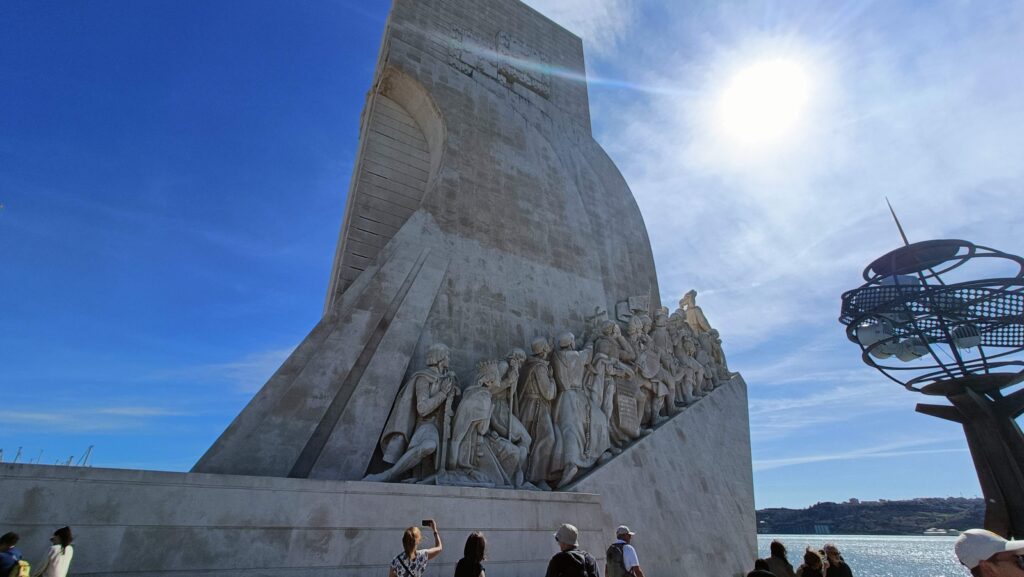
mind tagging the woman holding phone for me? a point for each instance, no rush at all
(412, 562)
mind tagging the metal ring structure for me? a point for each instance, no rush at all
(928, 319)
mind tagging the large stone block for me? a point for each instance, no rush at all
(146, 523)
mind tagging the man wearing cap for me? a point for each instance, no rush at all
(571, 561)
(989, 555)
(621, 559)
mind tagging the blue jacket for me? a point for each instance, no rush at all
(8, 559)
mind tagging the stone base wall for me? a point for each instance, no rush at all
(145, 523)
(686, 489)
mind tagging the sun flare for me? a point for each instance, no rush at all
(763, 102)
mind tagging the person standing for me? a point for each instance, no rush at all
(9, 554)
(812, 565)
(989, 555)
(621, 559)
(777, 562)
(471, 564)
(412, 562)
(571, 561)
(761, 569)
(837, 567)
(58, 558)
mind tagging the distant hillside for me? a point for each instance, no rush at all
(882, 517)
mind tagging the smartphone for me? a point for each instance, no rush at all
(428, 523)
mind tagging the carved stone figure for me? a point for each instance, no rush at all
(678, 332)
(703, 356)
(598, 381)
(706, 355)
(503, 420)
(537, 391)
(671, 373)
(697, 369)
(694, 315)
(479, 455)
(620, 400)
(646, 368)
(420, 420)
(580, 440)
(594, 322)
(719, 355)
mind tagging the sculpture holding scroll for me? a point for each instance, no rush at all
(420, 421)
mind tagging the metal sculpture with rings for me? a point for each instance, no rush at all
(946, 318)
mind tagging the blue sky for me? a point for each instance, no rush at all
(173, 176)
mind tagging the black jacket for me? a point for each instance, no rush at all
(572, 563)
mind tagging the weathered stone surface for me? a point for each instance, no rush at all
(687, 489)
(487, 162)
(145, 523)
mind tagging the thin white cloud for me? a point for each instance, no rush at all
(814, 408)
(602, 24)
(245, 374)
(138, 412)
(252, 371)
(63, 419)
(900, 449)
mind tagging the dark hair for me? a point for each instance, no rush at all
(64, 537)
(761, 564)
(9, 540)
(812, 558)
(475, 547)
(778, 549)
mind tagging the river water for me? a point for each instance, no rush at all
(875, 556)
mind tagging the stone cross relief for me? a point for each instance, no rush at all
(539, 420)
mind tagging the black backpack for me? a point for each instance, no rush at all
(615, 565)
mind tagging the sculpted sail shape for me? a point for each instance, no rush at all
(493, 322)
(481, 213)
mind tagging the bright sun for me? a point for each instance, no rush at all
(763, 102)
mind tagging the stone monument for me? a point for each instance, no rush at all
(482, 215)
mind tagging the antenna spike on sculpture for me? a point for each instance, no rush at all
(898, 225)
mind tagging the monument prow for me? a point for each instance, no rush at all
(476, 145)
(493, 353)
